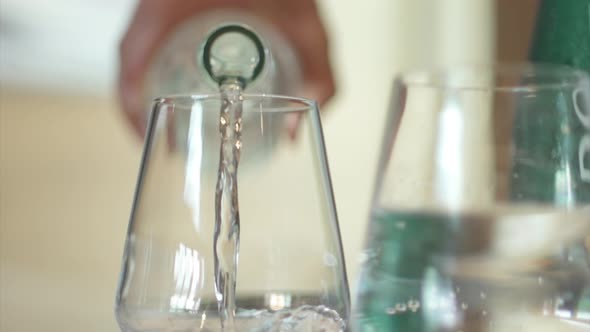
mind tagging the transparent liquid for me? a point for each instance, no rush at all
(227, 214)
(302, 319)
(506, 271)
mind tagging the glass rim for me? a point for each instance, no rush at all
(291, 103)
(555, 77)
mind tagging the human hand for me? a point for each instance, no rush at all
(297, 20)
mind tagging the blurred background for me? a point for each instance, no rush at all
(68, 161)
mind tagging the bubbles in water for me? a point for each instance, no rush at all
(515, 175)
(540, 280)
(483, 295)
(226, 236)
(484, 313)
(390, 311)
(401, 307)
(413, 305)
(458, 289)
(464, 306)
(401, 225)
(305, 318)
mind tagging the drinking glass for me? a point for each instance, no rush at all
(481, 212)
(291, 273)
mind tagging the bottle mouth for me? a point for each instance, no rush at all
(233, 52)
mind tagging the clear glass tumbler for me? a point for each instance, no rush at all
(290, 274)
(481, 211)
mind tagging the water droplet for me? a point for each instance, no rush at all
(540, 280)
(401, 307)
(515, 175)
(390, 311)
(484, 313)
(330, 260)
(565, 129)
(483, 295)
(452, 296)
(458, 289)
(464, 306)
(363, 257)
(401, 225)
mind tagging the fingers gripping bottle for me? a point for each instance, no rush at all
(208, 49)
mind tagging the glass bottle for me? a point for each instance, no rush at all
(223, 45)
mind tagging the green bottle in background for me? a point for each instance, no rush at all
(400, 251)
(402, 248)
(562, 36)
(562, 33)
